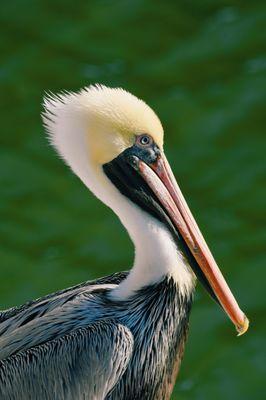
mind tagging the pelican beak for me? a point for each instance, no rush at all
(160, 179)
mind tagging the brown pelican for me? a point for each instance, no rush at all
(121, 336)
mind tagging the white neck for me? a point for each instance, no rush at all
(156, 256)
(156, 253)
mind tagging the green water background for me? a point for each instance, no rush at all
(202, 66)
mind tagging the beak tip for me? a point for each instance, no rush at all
(241, 329)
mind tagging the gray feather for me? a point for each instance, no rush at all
(85, 364)
(80, 344)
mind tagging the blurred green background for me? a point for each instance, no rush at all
(201, 66)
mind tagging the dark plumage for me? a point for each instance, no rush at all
(149, 330)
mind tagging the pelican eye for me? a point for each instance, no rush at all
(144, 140)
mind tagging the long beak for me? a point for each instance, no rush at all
(161, 180)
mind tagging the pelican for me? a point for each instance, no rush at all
(120, 337)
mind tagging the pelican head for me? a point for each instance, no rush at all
(113, 142)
